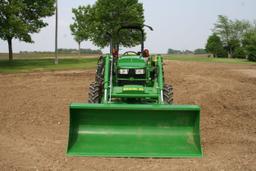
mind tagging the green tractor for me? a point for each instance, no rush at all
(130, 111)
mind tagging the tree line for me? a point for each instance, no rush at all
(82, 51)
(196, 51)
(100, 21)
(232, 39)
(67, 51)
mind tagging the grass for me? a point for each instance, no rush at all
(39, 62)
(203, 58)
(33, 65)
(44, 55)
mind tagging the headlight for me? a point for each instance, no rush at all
(123, 71)
(139, 71)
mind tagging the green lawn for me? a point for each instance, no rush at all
(201, 58)
(46, 64)
(33, 65)
(45, 55)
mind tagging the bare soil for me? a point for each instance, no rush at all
(34, 119)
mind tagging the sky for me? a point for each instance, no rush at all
(178, 24)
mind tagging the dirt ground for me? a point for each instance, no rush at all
(34, 119)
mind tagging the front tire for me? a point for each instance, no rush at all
(94, 93)
(100, 71)
(168, 94)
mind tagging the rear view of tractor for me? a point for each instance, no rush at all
(130, 111)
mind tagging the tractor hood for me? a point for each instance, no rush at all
(131, 62)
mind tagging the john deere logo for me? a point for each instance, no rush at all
(132, 89)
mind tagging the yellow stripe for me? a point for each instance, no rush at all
(133, 89)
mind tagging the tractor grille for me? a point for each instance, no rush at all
(132, 74)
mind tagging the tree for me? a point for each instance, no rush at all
(200, 51)
(107, 16)
(79, 28)
(249, 44)
(239, 28)
(215, 46)
(223, 28)
(173, 51)
(239, 52)
(20, 18)
(231, 32)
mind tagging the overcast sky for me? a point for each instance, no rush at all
(178, 24)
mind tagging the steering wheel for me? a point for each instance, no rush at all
(126, 53)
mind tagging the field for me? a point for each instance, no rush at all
(43, 55)
(205, 58)
(33, 62)
(34, 116)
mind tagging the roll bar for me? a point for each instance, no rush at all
(136, 27)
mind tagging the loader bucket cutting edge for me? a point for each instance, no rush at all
(123, 130)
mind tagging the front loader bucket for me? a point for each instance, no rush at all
(125, 130)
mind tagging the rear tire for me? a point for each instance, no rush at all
(95, 89)
(168, 94)
(94, 93)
